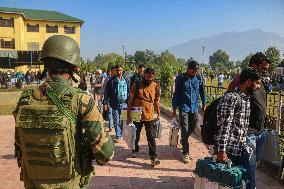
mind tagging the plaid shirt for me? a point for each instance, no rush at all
(233, 121)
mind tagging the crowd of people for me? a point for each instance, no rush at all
(9, 78)
(240, 115)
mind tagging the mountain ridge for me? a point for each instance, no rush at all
(237, 44)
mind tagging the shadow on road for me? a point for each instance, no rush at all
(158, 182)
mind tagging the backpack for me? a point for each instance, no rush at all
(47, 137)
(210, 129)
(136, 90)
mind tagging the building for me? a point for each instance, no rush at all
(23, 32)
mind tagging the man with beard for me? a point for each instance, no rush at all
(260, 63)
(146, 94)
(256, 136)
(233, 123)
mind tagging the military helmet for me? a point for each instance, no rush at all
(63, 48)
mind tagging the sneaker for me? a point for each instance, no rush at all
(186, 158)
(155, 161)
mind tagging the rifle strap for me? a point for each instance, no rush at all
(46, 89)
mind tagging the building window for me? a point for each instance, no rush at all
(69, 30)
(51, 29)
(33, 46)
(7, 44)
(32, 28)
(6, 22)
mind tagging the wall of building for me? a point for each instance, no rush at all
(22, 37)
(41, 36)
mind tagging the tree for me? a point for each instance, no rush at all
(166, 80)
(238, 63)
(220, 66)
(273, 54)
(245, 62)
(129, 58)
(102, 61)
(231, 65)
(219, 56)
(140, 57)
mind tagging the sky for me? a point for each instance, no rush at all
(159, 24)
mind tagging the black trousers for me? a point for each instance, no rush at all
(150, 128)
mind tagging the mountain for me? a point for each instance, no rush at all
(237, 44)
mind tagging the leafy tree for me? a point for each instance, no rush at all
(219, 66)
(166, 80)
(238, 63)
(219, 56)
(231, 65)
(140, 57)
(273, 54)
(129, 58)
(104, 62)
(245, 62)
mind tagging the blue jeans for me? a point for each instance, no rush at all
(110, 119)
(116, 121)
(248, 163)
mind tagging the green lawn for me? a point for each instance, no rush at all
(8, 102)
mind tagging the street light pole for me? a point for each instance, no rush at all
(203, 52)
(14, 3)
(123, 53)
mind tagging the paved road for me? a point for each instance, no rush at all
(125, 172)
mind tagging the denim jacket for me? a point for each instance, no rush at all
(187, 92)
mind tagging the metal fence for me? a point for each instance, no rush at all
(274, 102)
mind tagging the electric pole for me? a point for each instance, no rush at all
(14, 3)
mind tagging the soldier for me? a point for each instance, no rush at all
(59, 128)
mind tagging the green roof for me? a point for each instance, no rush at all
(31, 14)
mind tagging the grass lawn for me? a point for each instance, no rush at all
(8, 102)
(215, 82)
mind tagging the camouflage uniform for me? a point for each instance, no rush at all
(52, 151)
